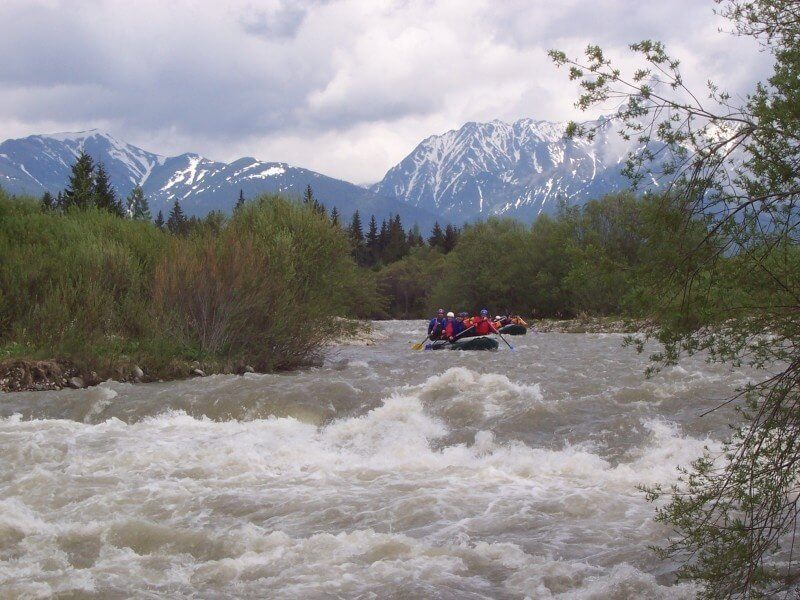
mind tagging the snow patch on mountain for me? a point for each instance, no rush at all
(516, 169)
(40, 163)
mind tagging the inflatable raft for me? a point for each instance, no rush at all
(473, 343)
(513, 329)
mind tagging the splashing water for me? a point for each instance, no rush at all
(384, 473)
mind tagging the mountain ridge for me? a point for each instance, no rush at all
(515, 169)
(481, 169)
(39, 163)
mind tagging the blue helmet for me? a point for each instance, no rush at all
(484, 312)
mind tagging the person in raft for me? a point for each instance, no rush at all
(436, 325)
(454, 327)
(483, 324)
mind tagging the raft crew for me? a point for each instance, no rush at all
(450, 327)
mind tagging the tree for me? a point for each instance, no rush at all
(240, 201)
(159, 222)
(734, 292)
(415, 237)
(356, 235)
(396, 247)
(105, 197)
(177, 222)
(48, 202)
(80, 192)
(308, 196)
(335, 217)
(436, 240)
(137, 204)
(450, 238)
(310, 200)
(61, 201)
(373, 250)
(408, 282)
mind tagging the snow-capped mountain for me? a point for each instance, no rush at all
(519, 169)
(40, 163)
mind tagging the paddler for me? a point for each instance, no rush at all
(454, 327)
(436, 325)
(483, 324)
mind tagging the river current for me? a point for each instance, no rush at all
(384, 473)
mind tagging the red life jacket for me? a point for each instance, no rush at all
(448, 329)
(483, 326)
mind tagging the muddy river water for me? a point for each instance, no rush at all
(384, 473)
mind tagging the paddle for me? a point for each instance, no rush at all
(421, 345)
(504, 339)
(462, 333)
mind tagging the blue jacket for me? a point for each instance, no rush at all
(436, 325)
(457, 327)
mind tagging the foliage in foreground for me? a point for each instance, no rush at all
(86, 285)
(735, 294)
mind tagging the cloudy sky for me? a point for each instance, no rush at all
(347, 88)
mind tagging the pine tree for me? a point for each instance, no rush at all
(240, 201)
(396, 241)
(450, 238)
(61, 201)
(177, 222)
(335, 217)
(355, 229)
(437, 236)
(138, 206)
(308, 197)
(160, 220)
(48, 202)
(356, 234)
(383, 240)
(373, 250)
(105, 197)
(80, 191)
(415, 237)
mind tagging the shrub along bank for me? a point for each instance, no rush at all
(105, 294)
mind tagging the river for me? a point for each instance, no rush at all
(384, 473)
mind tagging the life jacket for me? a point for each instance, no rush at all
(483, 326)
(436, 325)
(453, 328)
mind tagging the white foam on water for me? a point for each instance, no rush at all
(490, 394)
(367, 504)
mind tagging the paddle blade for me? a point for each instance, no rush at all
(417, 346)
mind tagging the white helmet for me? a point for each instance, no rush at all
(450, 314)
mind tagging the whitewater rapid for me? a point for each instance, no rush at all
(385, 473)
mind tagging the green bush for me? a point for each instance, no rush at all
(264, 287)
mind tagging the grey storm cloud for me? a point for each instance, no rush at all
(344, 86)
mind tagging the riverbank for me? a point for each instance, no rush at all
(587, 324)
(31, 375)
(21, 374)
